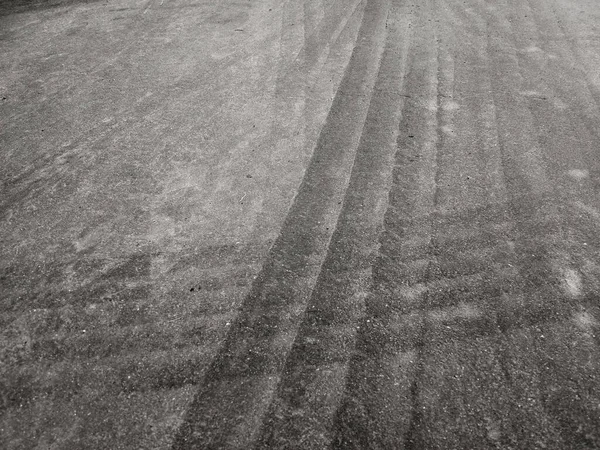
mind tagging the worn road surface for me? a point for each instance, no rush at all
(277, 224)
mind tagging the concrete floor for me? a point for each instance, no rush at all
(150, 151)
(299, 224)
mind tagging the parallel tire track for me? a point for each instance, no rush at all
(567, 378)
(376, 407)
(314, 374)
(229, 407)
(465, 303)
(444, 327)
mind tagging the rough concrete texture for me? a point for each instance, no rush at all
(299, 224)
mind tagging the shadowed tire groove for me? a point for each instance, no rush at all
(536, 296)
(454, 333)
(229, 406)
(314, 374)
(567, 377)
(375, 410)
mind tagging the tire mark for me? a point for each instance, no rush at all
(567, 378)
(229, 407)
(459, 394)
(542, 258)
(375, 409)
(315, 370)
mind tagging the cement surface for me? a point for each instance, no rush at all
(277, 224)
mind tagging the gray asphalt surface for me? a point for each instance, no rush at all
(368, 224)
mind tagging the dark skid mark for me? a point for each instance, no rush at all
(253, 352)
(326, 334)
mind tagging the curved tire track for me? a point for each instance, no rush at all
(237, 388)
